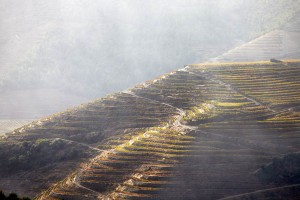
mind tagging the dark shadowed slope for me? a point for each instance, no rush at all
(202, 132)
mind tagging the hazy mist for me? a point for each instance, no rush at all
(71, 51)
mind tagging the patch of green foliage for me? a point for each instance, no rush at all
(39, 153)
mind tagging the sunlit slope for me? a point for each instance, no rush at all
(225, 122)
(45, 151)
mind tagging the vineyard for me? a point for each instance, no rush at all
(202, 132)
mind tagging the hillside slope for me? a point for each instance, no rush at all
(202, 132)
(56, 54)
(282, 43)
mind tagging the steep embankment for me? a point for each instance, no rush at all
(196, 133)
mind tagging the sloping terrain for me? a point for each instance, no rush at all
(203, 132)
(283, 43)
(23, 156)
(75, 51)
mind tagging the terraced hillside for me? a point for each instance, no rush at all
(282, 43)
(43, 49)
(208, 131)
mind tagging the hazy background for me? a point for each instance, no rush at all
(59, 53)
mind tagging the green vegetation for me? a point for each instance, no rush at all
(28, 155)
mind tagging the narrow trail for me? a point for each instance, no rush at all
(81, 144)
(76, 181)
(177, 122)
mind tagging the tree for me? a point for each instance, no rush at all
(11, 196)
(2, 196)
